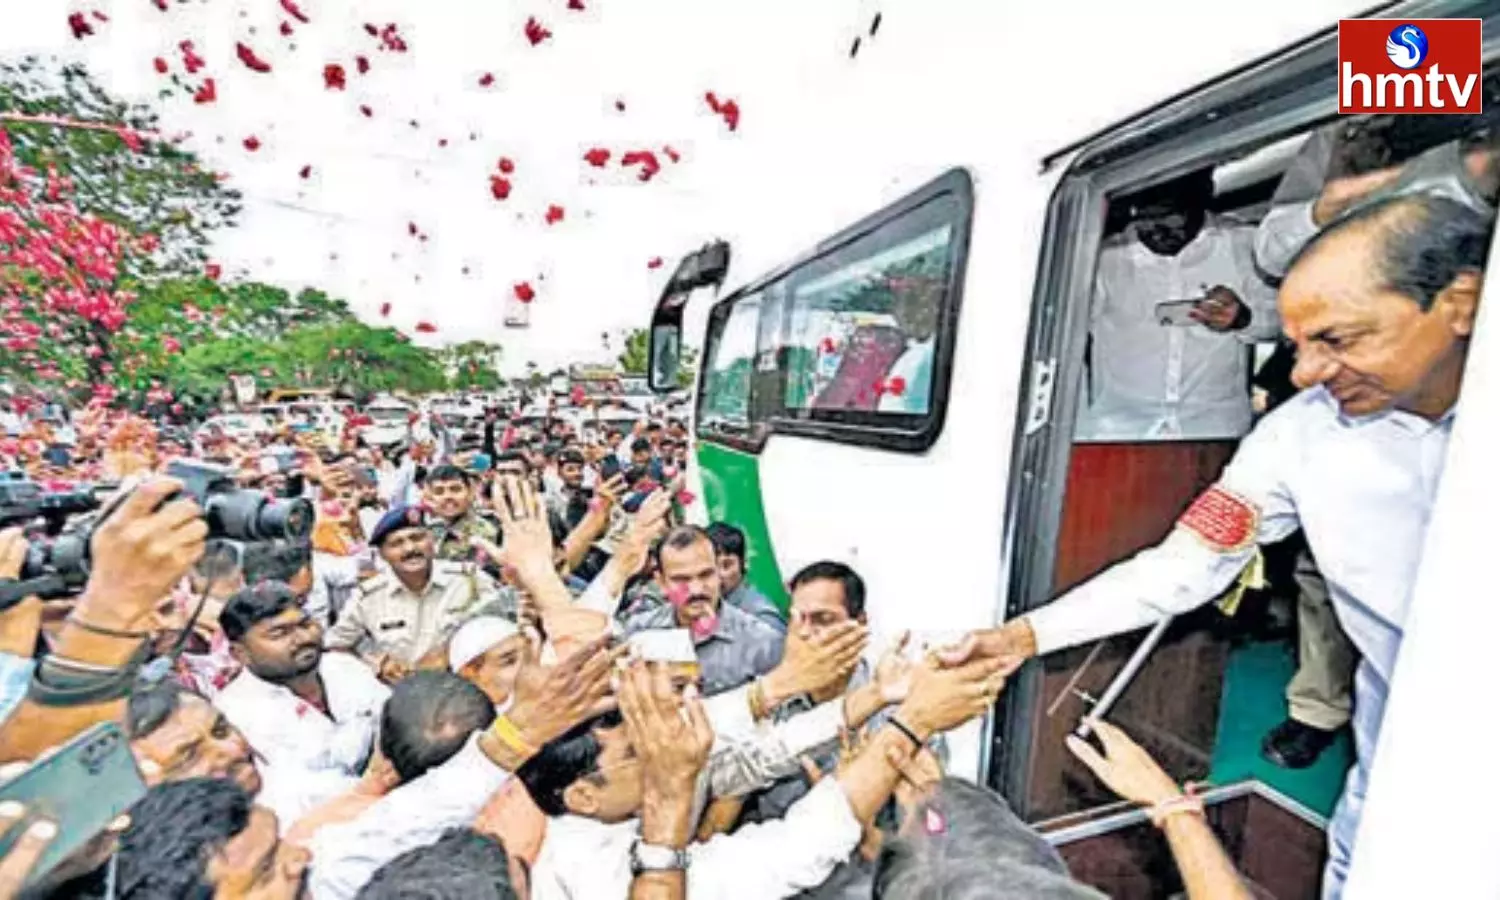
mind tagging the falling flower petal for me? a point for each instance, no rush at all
(896, 386)
(576, 5)
(131, 139)
(672, 154)
(286, 29)
(292, 10)
(619, 106)
(333, 77)
(654, 263)
(371, 30)
(385, 309)
(554, 214)
(506, 165)
(206, 94)
(213, 271)
(390, 39)
(411, 228)
(161, 5)
(499, 187)
(362, 63)
(80, 25)
(728, 110)
(535, 32)
(306, 171)
(190, 58)
(643, 158)
(426, 327)
(598, 157)
(252, 143)
(524, 292)
(364, 108)
(486, 79)
(161, 65)
(252, 62)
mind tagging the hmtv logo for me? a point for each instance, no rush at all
(1410, 66)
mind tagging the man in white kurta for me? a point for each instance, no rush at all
(1381, 306)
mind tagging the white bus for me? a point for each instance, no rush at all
(901, 392)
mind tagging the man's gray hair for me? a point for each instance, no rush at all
(964, 843)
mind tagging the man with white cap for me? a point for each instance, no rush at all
(488, 651)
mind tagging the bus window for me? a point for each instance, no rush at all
(724, 401)
(863, 336)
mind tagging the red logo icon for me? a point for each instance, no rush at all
(1393, 66)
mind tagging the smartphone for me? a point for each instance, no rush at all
(1174, 313)
(609, 467)
(82, 787)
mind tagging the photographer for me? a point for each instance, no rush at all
(139, 552)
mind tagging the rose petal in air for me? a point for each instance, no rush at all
(672, 153)
(252, 62)
(597, 157)
(554, 214)
(80, 26)
(385, 309)
(286, 29)
(252, 143)
(294, 11)
(486, 79)
(499, 187)
(524, 292)
(654, 263)
(506, 165)
(368, 112)
(362, 63)
(576, 5)
(207, 93)
(426, 327)
(536, 32)
(213, 271)
(333, 77)
(896, 385)
(306, 172)
(161, 65)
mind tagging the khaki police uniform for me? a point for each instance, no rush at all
(453, 540)
(384, 618)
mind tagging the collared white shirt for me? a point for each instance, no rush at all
(1149, 381)
(292, 793)
(385, 617)
(348, 854)
(290, 733)
(1362, 490)
(582, 859)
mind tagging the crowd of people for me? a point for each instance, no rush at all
(498, 665)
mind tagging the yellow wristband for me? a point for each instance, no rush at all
(508, 734)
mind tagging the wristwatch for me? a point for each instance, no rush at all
(655, 858)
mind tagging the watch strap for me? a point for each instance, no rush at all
(646, 857)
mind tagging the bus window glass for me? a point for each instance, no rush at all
(731, 361)
(861, 334)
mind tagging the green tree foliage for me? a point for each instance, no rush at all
(472, 365)
(145, 186)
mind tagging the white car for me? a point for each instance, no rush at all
(390, 423)
(236, 426)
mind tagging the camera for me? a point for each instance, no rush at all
(23, 500)
(59, 565)
(240, 515)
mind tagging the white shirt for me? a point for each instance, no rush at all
(1362, 490)
(292, 793)
(348, 854)
(1149, 381)
(914, 367)
(290, 733)
(582, 859)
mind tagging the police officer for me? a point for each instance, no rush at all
(1381, 305)
(401, 619)
(456, 521)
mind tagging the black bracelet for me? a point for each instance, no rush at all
(106, 632)
(911, 735)
(59, 682)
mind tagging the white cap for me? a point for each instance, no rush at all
(666, 645)
(476, 637)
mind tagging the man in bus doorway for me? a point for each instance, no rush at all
(1177, 306)
(1381, 305)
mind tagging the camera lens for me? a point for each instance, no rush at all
(250, 516)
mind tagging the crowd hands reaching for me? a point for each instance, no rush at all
(493, 672)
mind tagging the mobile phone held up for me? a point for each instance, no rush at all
(81, 788)
(1175, 313)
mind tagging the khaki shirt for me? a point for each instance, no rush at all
(384, 618)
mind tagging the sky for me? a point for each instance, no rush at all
(345, 229)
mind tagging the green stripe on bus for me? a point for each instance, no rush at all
(731, 493)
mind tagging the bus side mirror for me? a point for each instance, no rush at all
(666, 356)
(706, 267)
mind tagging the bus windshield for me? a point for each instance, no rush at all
(731, 360)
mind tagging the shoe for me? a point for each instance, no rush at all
(1294, 745)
